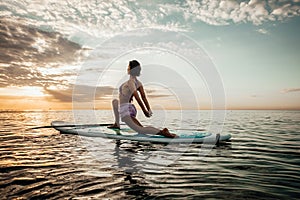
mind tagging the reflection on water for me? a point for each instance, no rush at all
(261, 161)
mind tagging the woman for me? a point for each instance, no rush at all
(129, 89)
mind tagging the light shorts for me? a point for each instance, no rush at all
(127, 109)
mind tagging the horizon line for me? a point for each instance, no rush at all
(53, 110)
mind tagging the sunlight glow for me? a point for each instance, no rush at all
(32, 91)
(40, 44)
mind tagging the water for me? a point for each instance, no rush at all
(261, 161)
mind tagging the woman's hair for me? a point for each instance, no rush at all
(135, 68)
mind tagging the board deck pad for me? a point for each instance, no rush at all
(125, 133)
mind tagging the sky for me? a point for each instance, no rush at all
(216, 54)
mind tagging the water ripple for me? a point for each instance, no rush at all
(261, 161)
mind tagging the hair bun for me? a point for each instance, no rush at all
(133, 64)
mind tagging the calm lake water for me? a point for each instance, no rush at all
(261, 161)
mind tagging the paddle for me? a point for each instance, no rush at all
(69, 125)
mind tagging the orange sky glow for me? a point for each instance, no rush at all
(34, 98)
(39, 68)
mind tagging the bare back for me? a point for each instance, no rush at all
(127, 89)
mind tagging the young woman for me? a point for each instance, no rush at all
(129, 89)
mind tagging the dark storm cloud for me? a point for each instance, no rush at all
(24, 48)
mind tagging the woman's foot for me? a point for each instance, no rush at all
(165, 132)
(114, 126)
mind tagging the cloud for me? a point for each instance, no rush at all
(21, 43)
(16, 75)
(289, 90)
(80, 93)
(224, 12)
(104, 19)
(26, 53)
(158, 95)
(254, 96)
(88, 94)
(286, 10)
(262, 31)
(96, 18)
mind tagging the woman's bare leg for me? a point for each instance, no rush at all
(136, 121)
(133, 123)
(115, 104)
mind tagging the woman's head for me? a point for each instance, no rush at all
(134, 68)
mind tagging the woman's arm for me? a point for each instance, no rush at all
(138, 99)
(144, 98)
(133, 88)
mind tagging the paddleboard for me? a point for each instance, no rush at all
(185, 136)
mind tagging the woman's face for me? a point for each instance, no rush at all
(128, 69)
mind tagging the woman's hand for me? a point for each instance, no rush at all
(146, 113)
(150, 113)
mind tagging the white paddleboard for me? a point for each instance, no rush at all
(185, 136)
